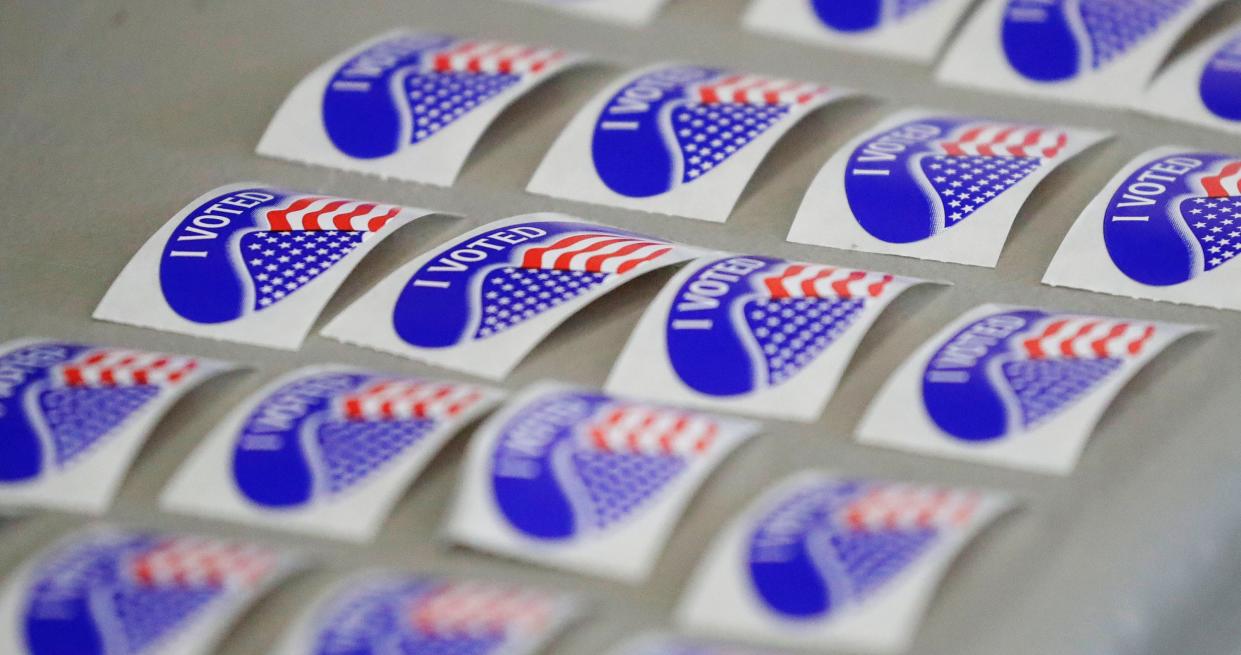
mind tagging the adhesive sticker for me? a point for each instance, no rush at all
(1012, 386)
(670, 645)
(1100, 52)
(933, 186)
(675, 139)
(480, 303)
(1202, 87)
(73, 417)
(381, 613)
(753, 335)
(578, 480)
(907, 29)
(406, 105)
(249, 263)
(325, 450)
(106, 591)
(626, 12)
(1165, 228)
(821, 561)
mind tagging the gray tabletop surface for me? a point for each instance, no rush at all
(115, 113)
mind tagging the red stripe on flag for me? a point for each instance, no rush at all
(629, 265)
(279, 219)
(1033, 346)
(1214, 184)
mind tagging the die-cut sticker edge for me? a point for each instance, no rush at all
(627, 554)
(605, 10)
(1176, 93)
(358, 515)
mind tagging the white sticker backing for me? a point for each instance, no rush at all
(675, 139)
(249, 263)
(626, 12)
(753, 334)
(1013, 386)
(933, 186)
(106, 590)
(73, 417)
(1167, 227)
(826, 562)
(324, 450)
(481, 302)
(406, 105)
(1100, 52)
(907, 29)
(575, 479)
(1202, 86)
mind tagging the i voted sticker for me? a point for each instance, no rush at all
(249, 263)
(907, 29)
(1099, 52)
(675, 139)
(1167, 227)
(580, 480)
(753, 334)
(626, 12)
(671, 645)
(73, 417)
(1203, 86)
(1012, 386)
(822, 561)
(406, 105)
(381, 613)
(481, 302)
(107, 591)
(326, 450)
(933, 186)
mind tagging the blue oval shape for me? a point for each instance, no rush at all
(883, 187)
(1039, 42)
(1220, 84)
(849, 15)
(25, 373)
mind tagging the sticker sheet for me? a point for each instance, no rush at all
(1100, 52)
(753, 334)
(1202, 87)
(73, 417)
(932, 185)
(632, 13)
(1013, 386)
(249, 263)
(579, 480)
(390, 612)
(406, 105)
(326, 450)
(107, 591)
(481, 302)
(822, 561)
(907, 29)
(1165, 228)
(671, 645)
(675, 139)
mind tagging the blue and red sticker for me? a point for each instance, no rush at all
(675, 139)
(114, 592)
(481, 302)
(406, 105)
(574, 479)
(249, 263)
(933, 186)
(818, 553)
(374, 615)
(324, 449)
(1203, 86)
(753, 334)
(1012, 386)
(66, 405)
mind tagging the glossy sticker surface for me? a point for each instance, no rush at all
(675, 139)
(827, 562)
(1013, 386)
(1167, 227)
(626, 12)
(585, 481)
(406, 105)
(249, 263)
(481, 302)
(326, 450)
(933, 186)
(753, 334)
(1202, 86)
(73, 417)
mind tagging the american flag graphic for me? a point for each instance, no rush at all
(1056, 365)
(298, 242)
(550, 275)
(817, 281)
(118, 368)
(1115, 26)
(1006, 141)
(465, 610)
(1215, 217)
(190, 562)
(641, 430)
(409, 399)
(909, 507)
